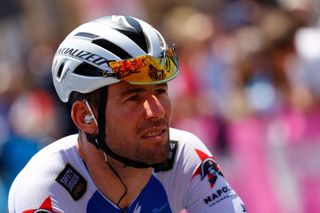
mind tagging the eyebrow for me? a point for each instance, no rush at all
(132, 91)
(139, 90)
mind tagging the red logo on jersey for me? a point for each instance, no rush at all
(46, 207)
(208, 167)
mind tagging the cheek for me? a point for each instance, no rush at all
(120, 119)
(117, 130)
(168, 108)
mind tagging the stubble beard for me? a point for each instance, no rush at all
(133, 150)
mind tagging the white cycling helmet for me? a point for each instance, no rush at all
(108, 50)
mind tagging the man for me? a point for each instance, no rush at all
(115, 70)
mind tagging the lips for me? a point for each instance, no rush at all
(153, 133)
(154, 130)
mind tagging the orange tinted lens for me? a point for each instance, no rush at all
(127, 67)
(146, 68)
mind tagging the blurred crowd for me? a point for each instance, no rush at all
(248, 87)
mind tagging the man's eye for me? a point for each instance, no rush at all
(134, 98)
(160, 91)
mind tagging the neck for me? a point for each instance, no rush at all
(119, 183)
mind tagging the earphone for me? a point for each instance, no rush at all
(89, 118)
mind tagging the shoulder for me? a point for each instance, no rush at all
(38, 179)
(185, 138)
(181, 134)
(196, 180)
(190, 151)
(189, 145)
(178, 180)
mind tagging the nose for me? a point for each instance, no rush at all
(154, 109)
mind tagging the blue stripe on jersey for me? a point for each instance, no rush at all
(152, 199)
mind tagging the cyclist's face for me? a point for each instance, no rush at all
(137, 121)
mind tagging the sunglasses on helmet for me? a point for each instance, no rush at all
(146, 69)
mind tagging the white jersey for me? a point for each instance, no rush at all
(57, 180)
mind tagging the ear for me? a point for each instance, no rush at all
(79, 111)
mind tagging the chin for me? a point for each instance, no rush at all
(160, 155)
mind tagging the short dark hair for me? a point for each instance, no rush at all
(93, 97)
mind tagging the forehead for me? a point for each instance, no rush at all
(123, 88)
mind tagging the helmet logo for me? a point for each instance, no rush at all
(83, 55)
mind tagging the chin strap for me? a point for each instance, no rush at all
(163, 166)
(100, 143)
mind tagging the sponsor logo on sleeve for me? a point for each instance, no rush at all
(219, 195)
(73, 182)
(46, 207)
(207, 168)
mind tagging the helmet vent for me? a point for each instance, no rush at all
(86, 35)
(60, 70)
(85, 69)
(137, 37)
(118, 51)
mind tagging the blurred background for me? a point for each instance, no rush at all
(249, 87)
